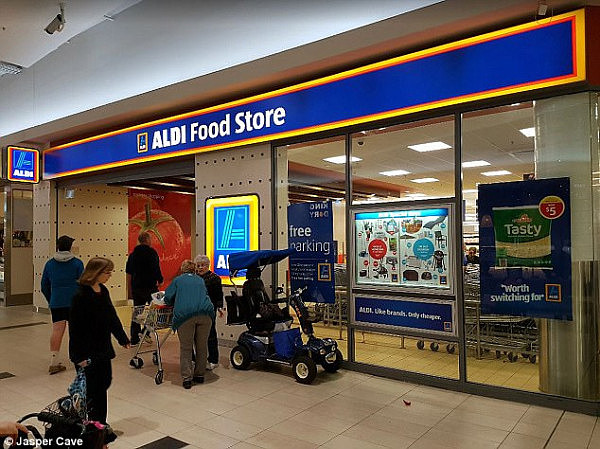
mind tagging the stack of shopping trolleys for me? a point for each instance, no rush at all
(506, 335)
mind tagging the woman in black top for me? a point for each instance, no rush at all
(92, 320)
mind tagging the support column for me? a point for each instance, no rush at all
(566, 144)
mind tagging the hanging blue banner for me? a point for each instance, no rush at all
(525, 248)
(426, 315)
(310, 233)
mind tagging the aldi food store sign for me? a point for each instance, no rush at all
(22, 164)
(477, 68)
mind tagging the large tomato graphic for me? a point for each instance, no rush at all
(137, 201)
(166, 238)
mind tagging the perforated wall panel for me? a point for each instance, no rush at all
(96, 217)
(238, 171)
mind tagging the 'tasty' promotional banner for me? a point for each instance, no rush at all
(525, 248)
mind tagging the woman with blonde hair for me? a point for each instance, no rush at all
(92, 320)
(193, 313)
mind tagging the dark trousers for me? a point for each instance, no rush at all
(98, 376)
(141, 296)
(213, 343)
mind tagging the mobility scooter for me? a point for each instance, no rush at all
(270, 337)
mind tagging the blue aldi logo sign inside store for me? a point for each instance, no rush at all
(23, 164)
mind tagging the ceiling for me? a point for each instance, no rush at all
(23, 40)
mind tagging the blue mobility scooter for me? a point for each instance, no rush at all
(270, 337)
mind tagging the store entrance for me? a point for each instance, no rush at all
(105, 219)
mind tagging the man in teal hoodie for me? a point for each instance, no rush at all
(59, 285)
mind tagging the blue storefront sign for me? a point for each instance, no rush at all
(23, 164)
(310, 233)
(425, 315)
(472, 69)
(525, 248)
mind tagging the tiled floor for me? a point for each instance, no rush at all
(265, 408)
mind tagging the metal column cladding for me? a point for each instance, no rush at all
(545, 53)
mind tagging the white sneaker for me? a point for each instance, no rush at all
(211, 366)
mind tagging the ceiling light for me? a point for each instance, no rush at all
(470, 164)
(341, 159)
(496, 173)
(470, 191)
(394, 173)
(424, 180)
(542, 8)
(6, 68)
(528, 132)
(429, 146)
(58, 23)
(416, 195)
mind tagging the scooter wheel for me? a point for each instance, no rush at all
(332, 367)
(155, 358)
(420, 344)
(158, 379)
(305, 369)
(240, 357)
(136, 362)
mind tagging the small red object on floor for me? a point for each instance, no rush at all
(406, 402)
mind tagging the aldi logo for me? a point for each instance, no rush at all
(142, 142)
(23, 164)
(231, 227)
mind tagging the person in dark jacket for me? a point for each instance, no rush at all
(59, 285)
(92, 320)
(143, 277)
(215, 293)
(193, 313)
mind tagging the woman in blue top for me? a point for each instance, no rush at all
(193, 313)
(59, 285)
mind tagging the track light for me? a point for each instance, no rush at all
(542, 8)
(58, 23)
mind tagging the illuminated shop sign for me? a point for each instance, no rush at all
(545, 53)
(23, 164)
(231, 226)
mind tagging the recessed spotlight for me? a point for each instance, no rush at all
(496, 173)
(394, 173)
(341, 159)
(470, 164)
(424, 180)
(528, 132)
(429, 146)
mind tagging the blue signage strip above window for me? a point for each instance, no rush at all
(526, 57)
(23, 164)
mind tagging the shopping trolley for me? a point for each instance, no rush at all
(153, 318)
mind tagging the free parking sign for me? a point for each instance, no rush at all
(23, 164)
(231, 226)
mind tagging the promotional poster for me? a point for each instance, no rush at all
(525, 248)
(310, 233)
(167, 216)
(403, 247)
